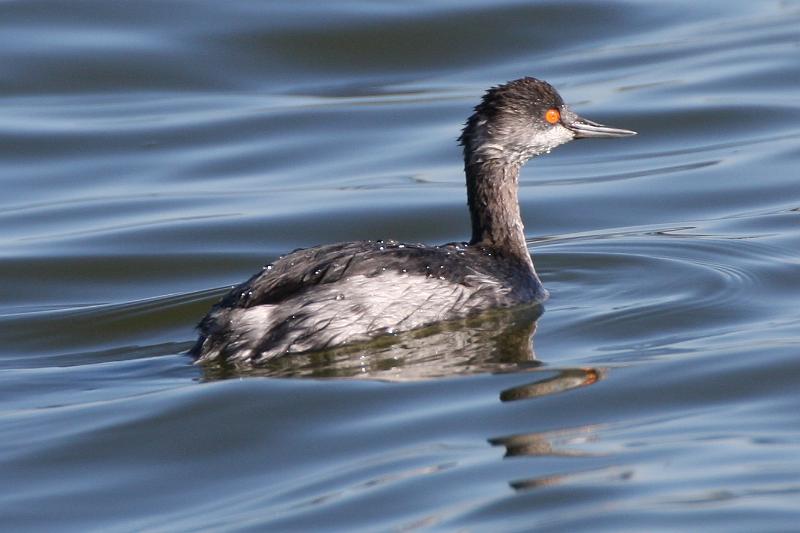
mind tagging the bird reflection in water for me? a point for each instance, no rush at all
(558, 443)
(496, 341)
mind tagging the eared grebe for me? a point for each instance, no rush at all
(336, 294)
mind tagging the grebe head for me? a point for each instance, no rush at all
(522, 119)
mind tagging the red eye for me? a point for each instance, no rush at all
(552, 115)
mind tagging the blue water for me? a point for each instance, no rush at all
(153, 153)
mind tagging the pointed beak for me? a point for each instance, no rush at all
(584, 129)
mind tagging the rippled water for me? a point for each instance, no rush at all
(152, 153)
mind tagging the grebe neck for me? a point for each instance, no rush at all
(492, 186)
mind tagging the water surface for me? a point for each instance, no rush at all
(153, 153)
